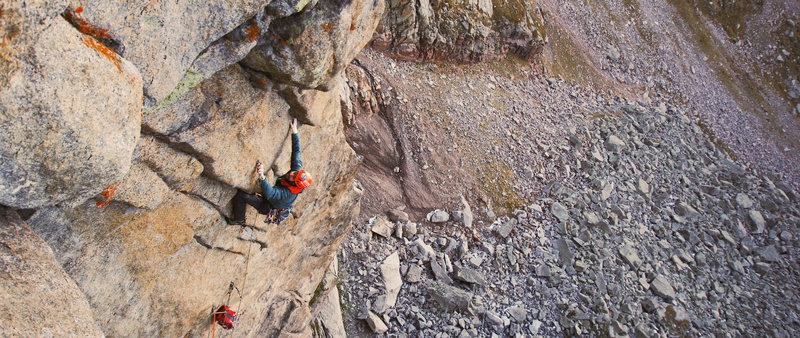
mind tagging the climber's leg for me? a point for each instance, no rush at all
(240, 201)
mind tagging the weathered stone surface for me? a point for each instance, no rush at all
(769, 254)
(438, 216)
(450, 297)
(440, 272)
(141, 247)
(376, 323)
(71, 114)
(470, 275)
(223, 133)
(382, 227)
(142, 188)
(309, 49)
(466, 31)
(40, 298)
(467, 215)
(328, 316)
(180, 30)
(176, 167)
(662, 288)
(630, 256)
(414, 274)
(424, 249)
(390, 270)
(396, 215)
(560, 211)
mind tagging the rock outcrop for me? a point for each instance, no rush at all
(38, 297)
(148, 108)
(460, 30)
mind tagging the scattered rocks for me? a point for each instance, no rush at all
(470, 275)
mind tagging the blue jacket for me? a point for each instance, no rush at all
(279, 196)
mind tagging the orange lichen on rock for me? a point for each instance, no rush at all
(253, 32)
(107, 193)
(110, 54)
(84, 26)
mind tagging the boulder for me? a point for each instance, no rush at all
(179, 30)
(449, 297)
(40, 297)
(309, 49)
(390, 270)
(382, 227)
(71, 117)
(661, 287)
(470, 275)
(376, 323)
(438, 216)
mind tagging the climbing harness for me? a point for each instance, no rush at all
(276, 216)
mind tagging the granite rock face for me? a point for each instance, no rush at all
(148, 108)
(74, 106)
(44, 299)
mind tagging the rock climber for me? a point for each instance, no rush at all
(276, 200)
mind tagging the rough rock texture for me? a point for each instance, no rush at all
(39, 298)
(460, 30)
(310, 48)
(78, 136)
(73, 124)
(163, 39)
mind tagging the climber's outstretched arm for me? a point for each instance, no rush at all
(296, 163)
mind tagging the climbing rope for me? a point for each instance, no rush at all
(232, 286)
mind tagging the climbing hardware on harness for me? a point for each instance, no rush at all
(225, 317)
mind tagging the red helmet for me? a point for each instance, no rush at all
(302, 179)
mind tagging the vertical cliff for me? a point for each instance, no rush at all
(127, 128)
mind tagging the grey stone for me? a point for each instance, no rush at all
(642, 187)
(762, 268)
(758, 221)
(439, 271)
(410, 229)
(505, 228)
(450, 297)
(390, 270)
(566, 257)
(542, 270)
(467, 216)
(438, 216)
(424, 249)
(470, 275)
(661, 287)
(560, 211)
(769, 254)
(376, 323)
(397, 215)
(494, 318)
(744, 201)
(613, 143)
(414, 273)
(382, 227)
(591, 218)
(518, 313)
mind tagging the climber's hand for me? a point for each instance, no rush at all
(293, 126)
(260, 170)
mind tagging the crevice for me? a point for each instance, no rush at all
(206, 245)
(73, 16)
(262, 244)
